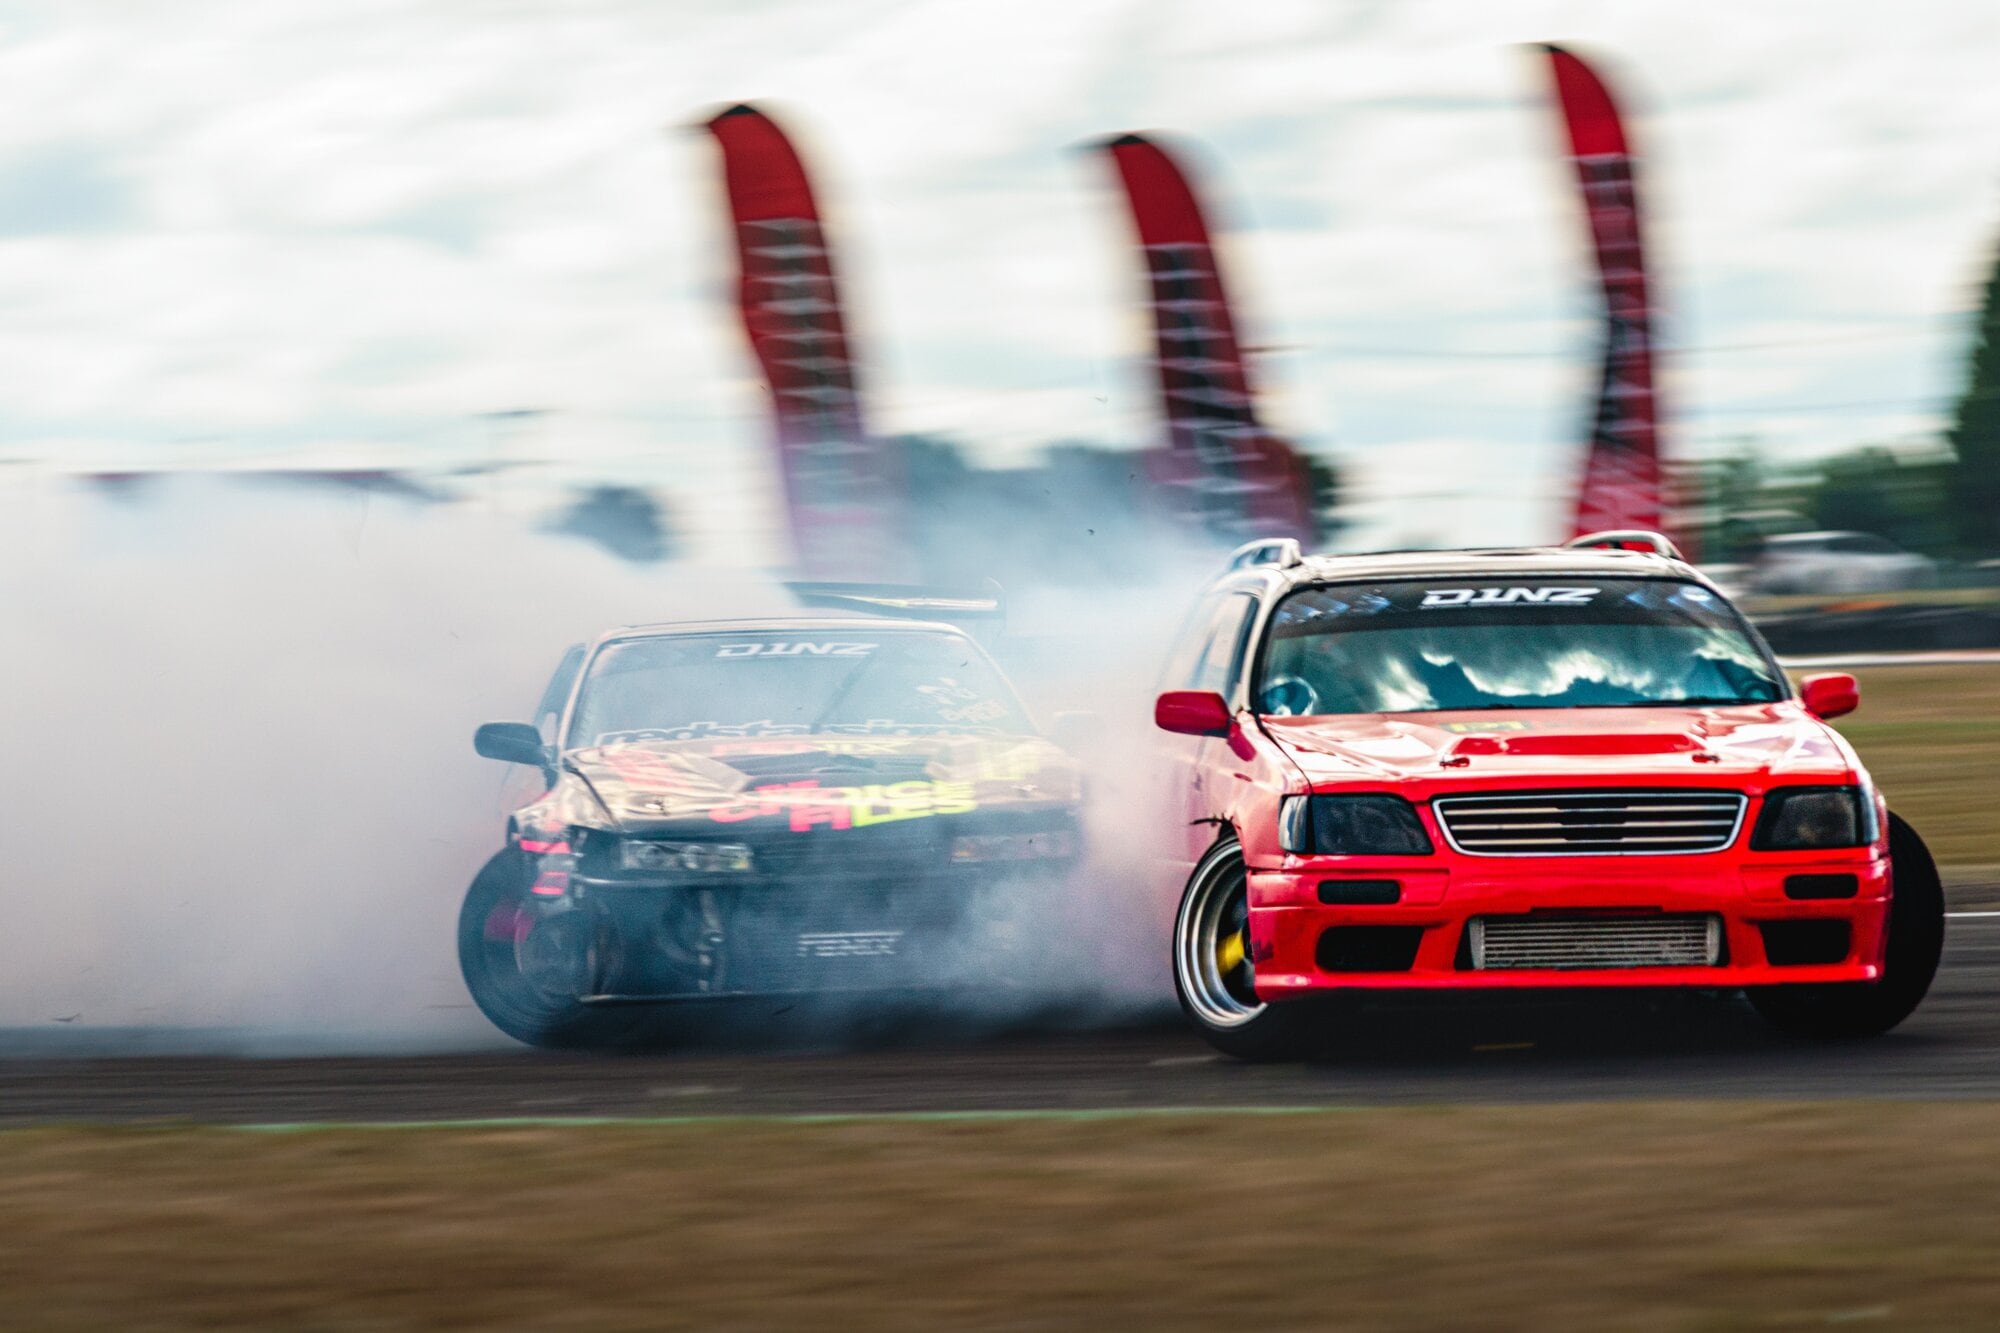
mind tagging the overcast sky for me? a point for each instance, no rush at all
(354, 229)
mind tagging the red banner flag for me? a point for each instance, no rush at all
(839, 485)
(1620, 487)
(1220, 469)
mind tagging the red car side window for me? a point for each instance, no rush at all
(1222, 650)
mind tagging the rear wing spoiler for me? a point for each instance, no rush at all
(1627, 539)
(1279, 552)
(984, 606)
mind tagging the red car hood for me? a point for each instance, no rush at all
(1699, 745)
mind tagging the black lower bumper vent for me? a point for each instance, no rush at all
(1804, 943)
(1368, 948)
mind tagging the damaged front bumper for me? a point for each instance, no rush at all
(960, 907)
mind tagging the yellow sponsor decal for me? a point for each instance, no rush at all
(905, 800)
(811, 805)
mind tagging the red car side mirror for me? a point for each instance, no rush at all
(1192, 713)
(1830, 696)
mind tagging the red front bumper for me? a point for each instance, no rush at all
(1440, 895)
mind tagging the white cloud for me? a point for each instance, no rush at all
(374, 221)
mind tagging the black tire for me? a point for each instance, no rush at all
(1916, 941)
(1218, 1000)
(509, 999)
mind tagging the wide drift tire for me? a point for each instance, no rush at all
(516, 967)
(1214, 975)
(1916, 941)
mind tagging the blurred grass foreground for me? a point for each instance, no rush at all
(1639, 1216)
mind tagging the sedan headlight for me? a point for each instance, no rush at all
(694, 858)
(1804, 818)
(1351, 826)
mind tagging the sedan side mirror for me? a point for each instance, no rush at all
(512, 743)
(1830, 696)
(1192, 713)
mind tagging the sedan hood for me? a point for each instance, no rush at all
(1743, 744)
(798, 783)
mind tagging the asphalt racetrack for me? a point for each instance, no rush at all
(1630, 1046)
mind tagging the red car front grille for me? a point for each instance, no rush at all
(1591, 823)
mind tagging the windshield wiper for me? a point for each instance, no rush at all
(1699, 701)
(840, 693)
(1702, 701)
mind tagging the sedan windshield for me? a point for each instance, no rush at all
(859, 682)
(1436, 645)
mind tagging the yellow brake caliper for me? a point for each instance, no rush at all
(1229, 953)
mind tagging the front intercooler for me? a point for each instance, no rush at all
(1503, 943)
(802, 937)
(886, 907)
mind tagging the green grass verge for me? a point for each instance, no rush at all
(1665, 1216)
(1931, 737)
(1765, 604)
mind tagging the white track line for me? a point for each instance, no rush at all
(1964, 916)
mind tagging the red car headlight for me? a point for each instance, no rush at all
(1805, 818)
(1351, 826)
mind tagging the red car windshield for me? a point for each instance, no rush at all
(1486, 643)
(861, 681)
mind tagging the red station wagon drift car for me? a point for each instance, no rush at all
(1477, 770)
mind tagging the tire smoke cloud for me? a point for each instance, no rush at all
(242, 721)
(240, 758)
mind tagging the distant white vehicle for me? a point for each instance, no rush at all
(1732, 578)
(1838, 562)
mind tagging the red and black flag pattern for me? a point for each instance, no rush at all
(1621, 485)
(840, 489)
(1219, 470)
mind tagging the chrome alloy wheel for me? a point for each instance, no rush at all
(1212, 963)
